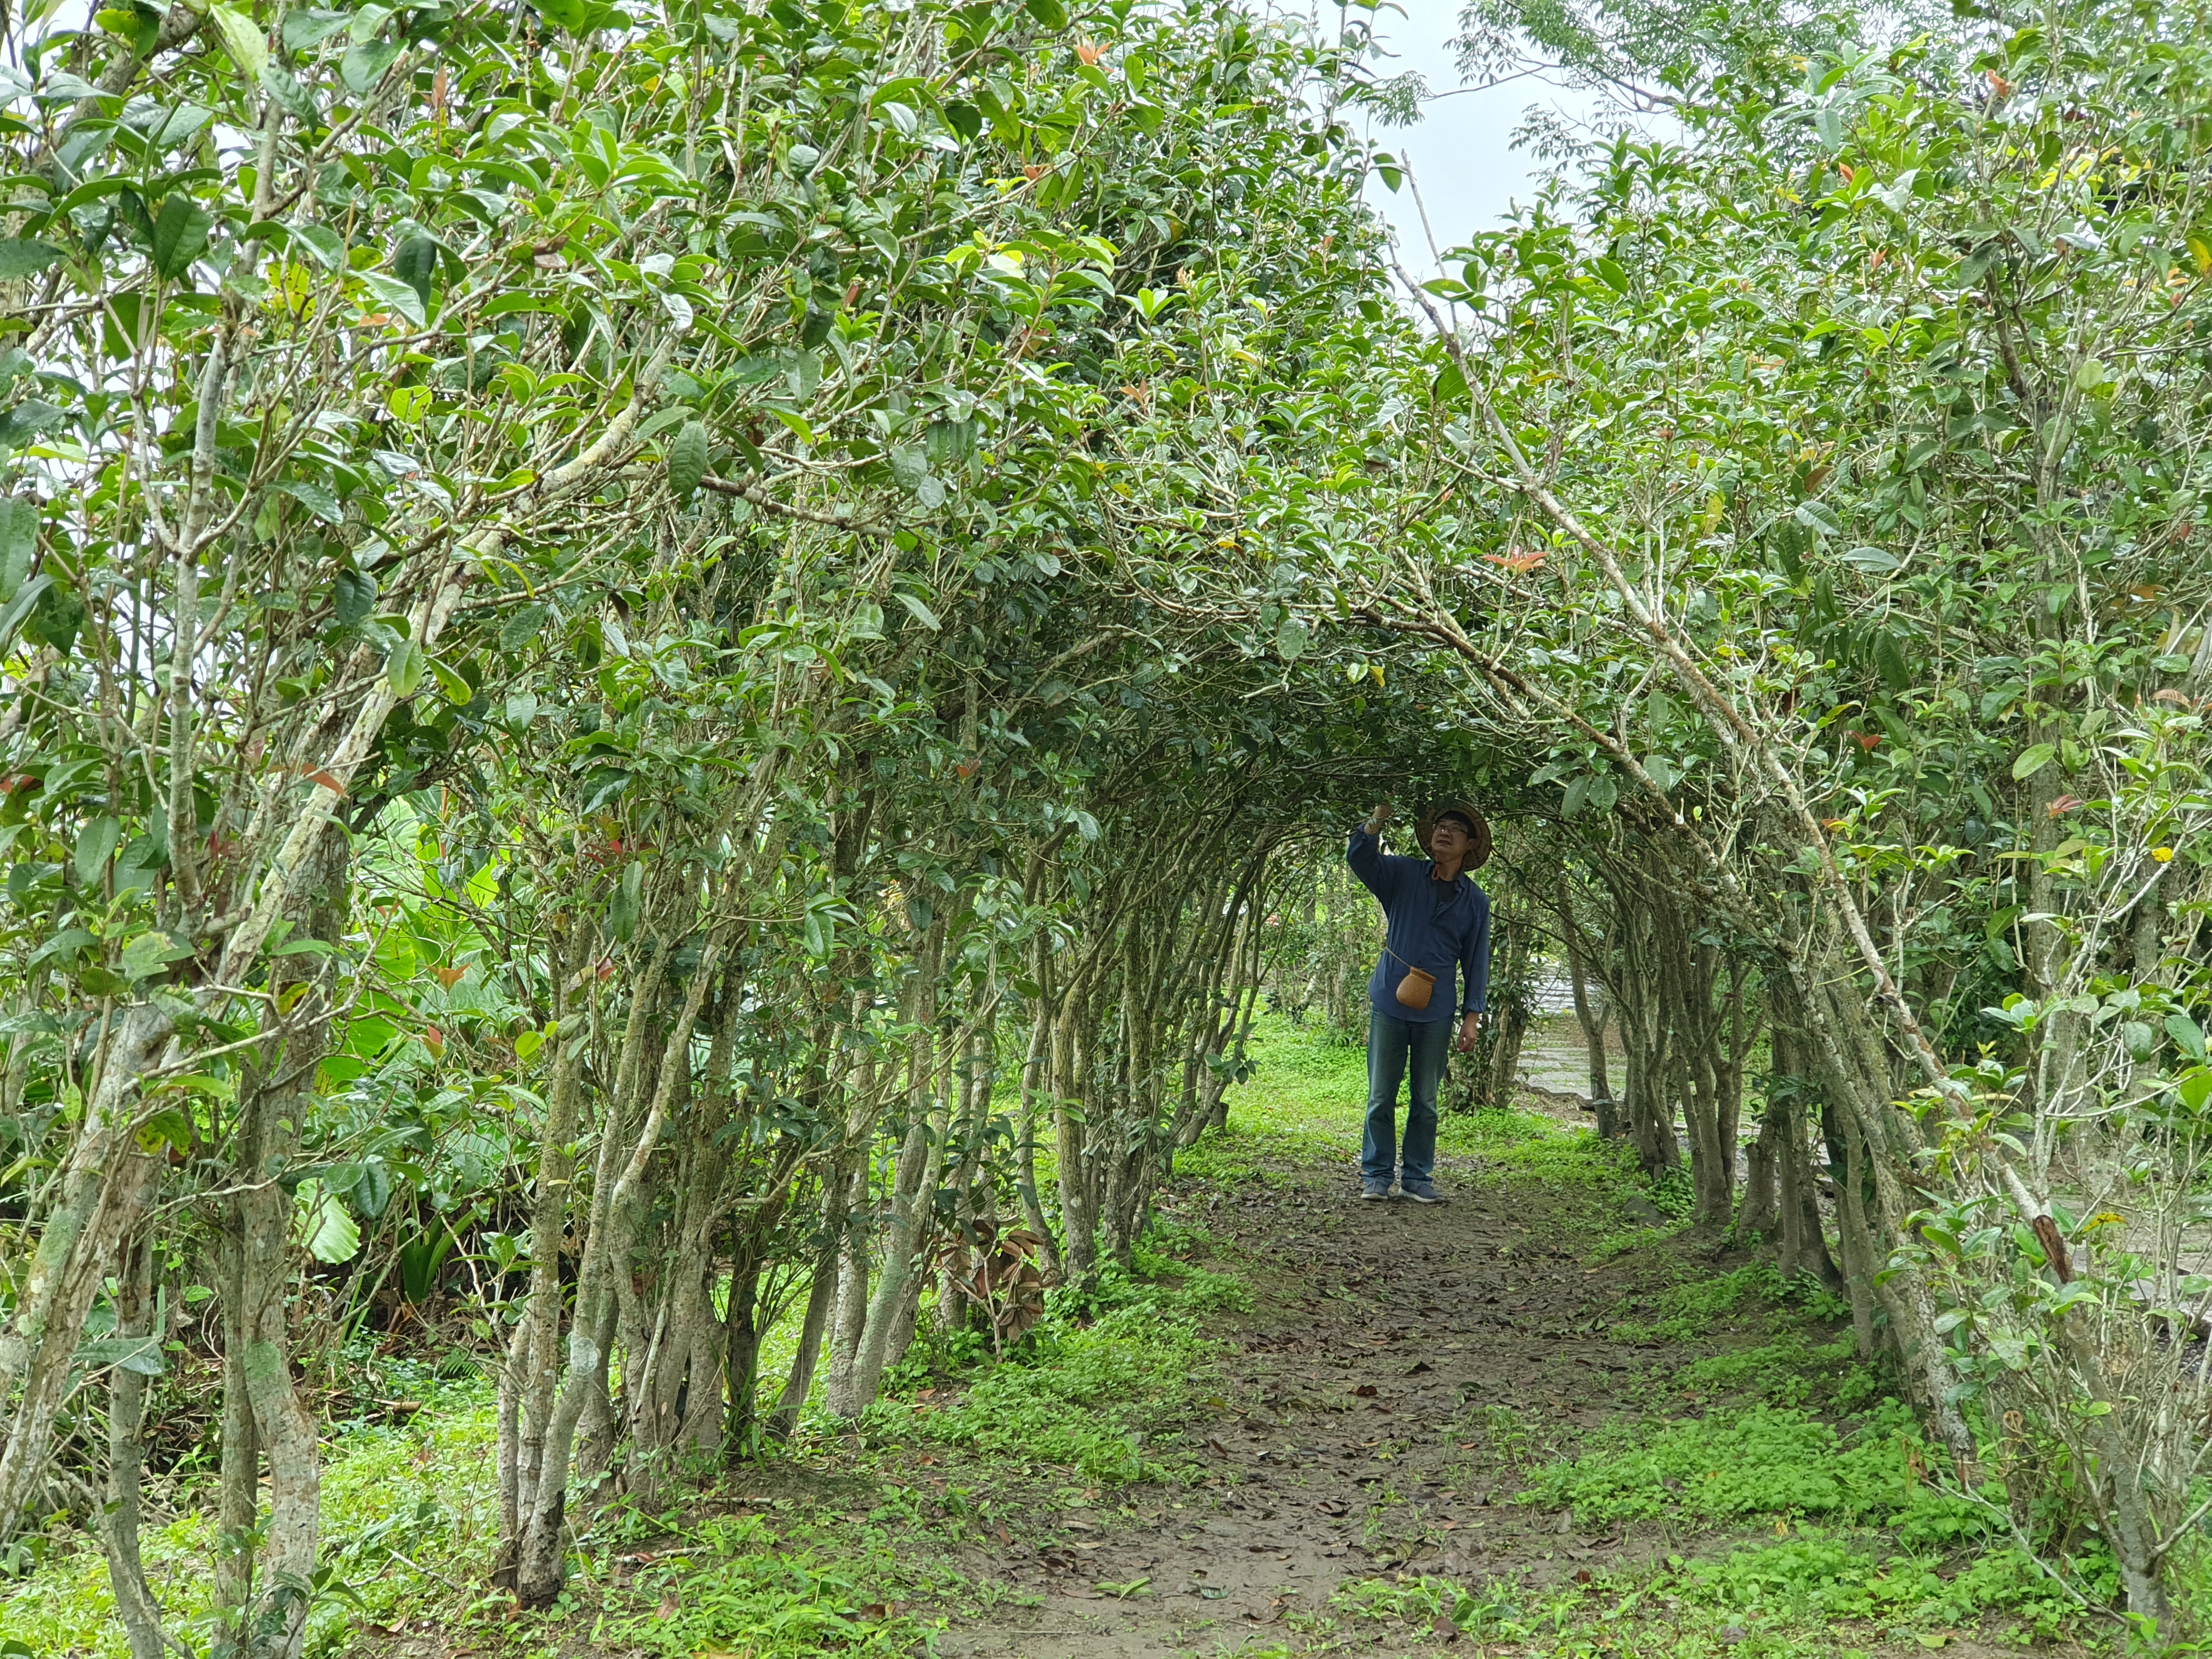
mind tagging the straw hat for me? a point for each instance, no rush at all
(1478, 852)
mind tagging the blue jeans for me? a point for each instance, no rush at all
(1390, 1043)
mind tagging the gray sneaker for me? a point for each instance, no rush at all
(1422, 1192)
(1374, 1188)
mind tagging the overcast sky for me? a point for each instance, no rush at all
(1461, 151)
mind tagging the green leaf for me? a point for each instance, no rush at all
(247, 45)
(353, 596)
(455, 689)
(2184, 1030)
(1449, 386)
(180, 235)
(372, 1189)
(521, 628)
(627, 903)
(293, 99)
(2033, 760)
(920, 612)
(1050, 12)
(303, 29)
(1889, 661)
(400, 296)
(19, 544)
(313, 497)
(26, 596)
(150, 953)
(404, 668)
(1819, 516)
(168, 1127)
(364, 66)
(140, 1354)
(23, 256)
(687, 459)
(326, 244)
(321, 1223)
(415, 264)
(1291, 639)
(24, 422)
(96, 845)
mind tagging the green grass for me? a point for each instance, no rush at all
(1100, 1388)
(1306, 1101)
(1762, 1462)
(407, 1517)
(1810, 1595)
(730, 1589)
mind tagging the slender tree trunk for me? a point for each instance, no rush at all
(1025, 1175)
(1760, 1211)
(1857, 1239)
(238, 1502)
(821, 1295)
(1592, 1027)
(273, 1104)
(583, 1383)
(854, 1243)
(99, 1195)
(913, 1189)
(136, 1609)
(533, 1370)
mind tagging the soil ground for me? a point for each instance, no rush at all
(1349, 1433)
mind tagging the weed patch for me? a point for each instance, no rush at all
(1517, 1146)
(736, 1591)
(1764, 1462)
(1795, 1597)
(1088, 1398)
(401, 1504)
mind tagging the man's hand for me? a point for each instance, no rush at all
(1470, 1025)
(1377, 819)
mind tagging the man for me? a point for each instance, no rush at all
(1439, 920)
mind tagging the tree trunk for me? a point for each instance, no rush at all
(821, 1296)
(533, 1370)
(1592, 1022)
(538, 1565)
(136, 1609)
(1760, 1212)
(99, 1194)
(272, 1621)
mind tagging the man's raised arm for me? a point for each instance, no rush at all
(1365, 855)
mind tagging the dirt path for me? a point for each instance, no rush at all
(1401, 1359)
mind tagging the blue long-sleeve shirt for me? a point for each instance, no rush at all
(1433, 926)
